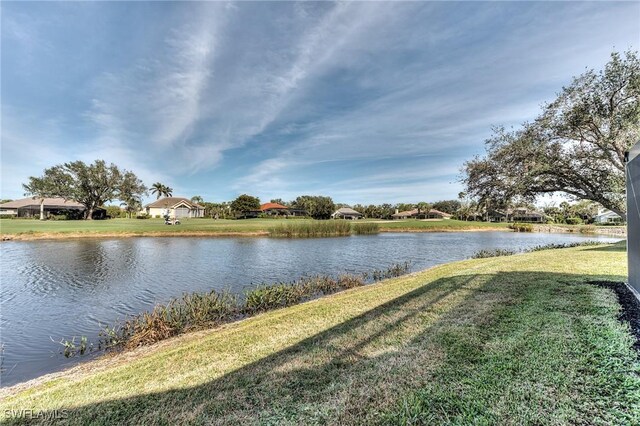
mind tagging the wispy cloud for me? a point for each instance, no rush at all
(361, 101)
(156, 102)
(438, 106)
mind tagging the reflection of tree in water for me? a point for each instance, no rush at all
(81, 263)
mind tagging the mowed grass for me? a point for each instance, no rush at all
(36, 228)
(132, 226)
(509, 340)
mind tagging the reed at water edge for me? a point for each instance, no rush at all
(323, 228)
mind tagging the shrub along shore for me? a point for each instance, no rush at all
(195, 311)
(481, 340)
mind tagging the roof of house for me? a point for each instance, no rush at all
(443, 214)
(272, 206)
(346, 210)
(415, 212)
(525, 212)
(170, 202)
(518, 211)
(48, 202)
(406, 213)
(607, 213)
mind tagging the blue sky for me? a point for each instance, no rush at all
(365, 102)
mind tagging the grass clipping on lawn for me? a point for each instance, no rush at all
(509, 340)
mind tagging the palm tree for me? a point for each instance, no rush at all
(161, 190)
(157, 188)
(197, 199)
(423, 208)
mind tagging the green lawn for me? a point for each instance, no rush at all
(133, 226)
(35, 228)
(509, 340)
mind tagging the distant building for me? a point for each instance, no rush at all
(526, 215)
(274, 209)
(607, 216)
(518, 214)
(30, 207)
(415, 214)
(346, 213)
(178, 207)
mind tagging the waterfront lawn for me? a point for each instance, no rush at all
(520, 339)
(135, 226)
(35, 228)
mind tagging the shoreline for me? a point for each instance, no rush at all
(24, 230)
(152, 234)
(52, 236)
(101, 361)
(208, 350)
(203, 234)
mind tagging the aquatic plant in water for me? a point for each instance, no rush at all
(323, 228)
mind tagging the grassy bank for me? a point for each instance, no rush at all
(509, 340)
(19, 229)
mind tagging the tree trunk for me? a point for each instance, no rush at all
(42, 209)
(89, 215)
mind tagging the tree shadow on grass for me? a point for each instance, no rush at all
(356, 370)
(620, 246)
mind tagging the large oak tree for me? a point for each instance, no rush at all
(316, 206)
(575, 146)
(245, 203)
(91, 185)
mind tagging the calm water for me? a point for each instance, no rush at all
(60, 289)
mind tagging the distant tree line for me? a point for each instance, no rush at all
(321, 207)
(96, 184)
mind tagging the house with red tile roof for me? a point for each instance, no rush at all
(272, 208)
(278, 209)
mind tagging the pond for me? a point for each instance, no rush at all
(59, 289)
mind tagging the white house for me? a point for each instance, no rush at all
(346, 213)
(178, 207)
(607, 216)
